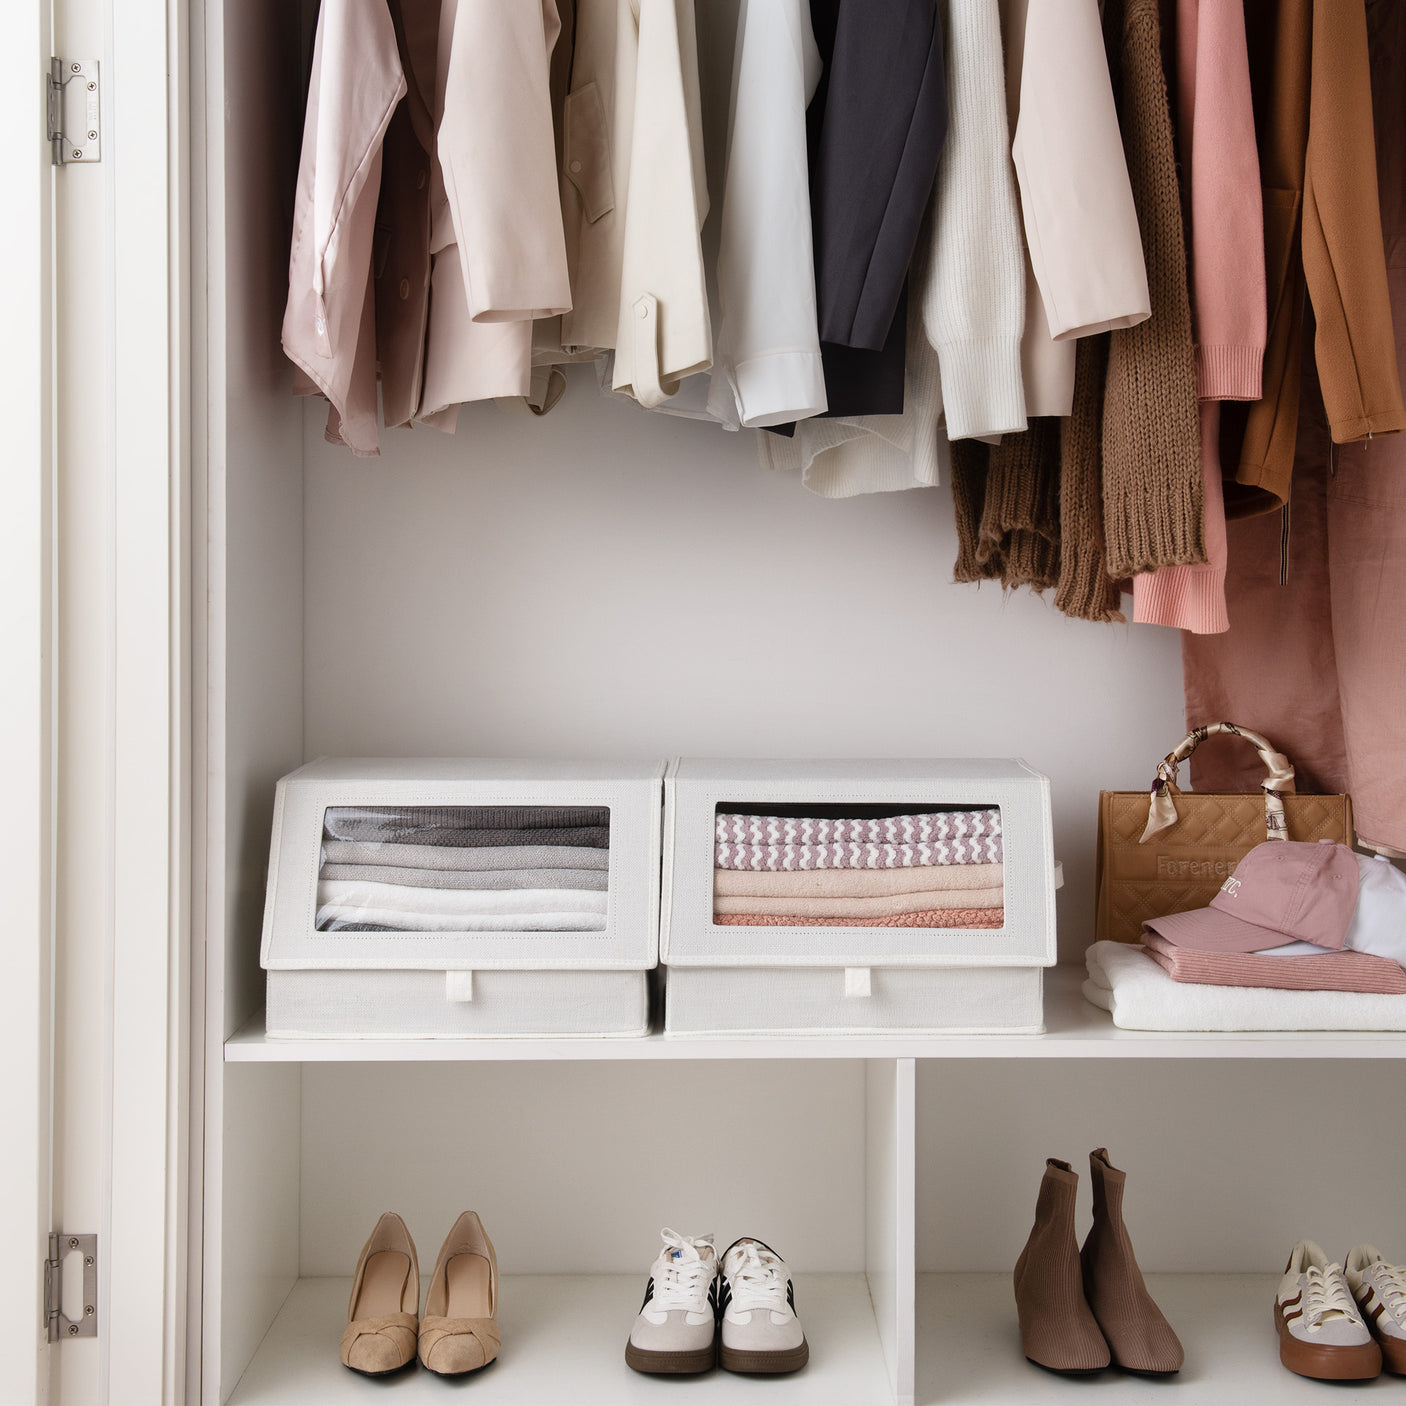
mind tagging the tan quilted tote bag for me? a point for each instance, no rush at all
(1166, 850)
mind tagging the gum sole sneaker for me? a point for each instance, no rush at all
(675, 1333)
(756, 1300)
(1321, 1333)
(1380, 1291)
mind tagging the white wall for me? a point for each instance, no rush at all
(605, 582)
(1228, 1162)
(574, 1166)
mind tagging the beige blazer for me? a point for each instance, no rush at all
(634, 195)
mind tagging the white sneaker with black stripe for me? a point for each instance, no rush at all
(676, 1330)
(757, 1303)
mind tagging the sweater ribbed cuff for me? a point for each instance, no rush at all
(1228, 372)
(1185, 597)
(982, 389)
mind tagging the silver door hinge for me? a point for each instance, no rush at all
(62, 1327)
(75, 110)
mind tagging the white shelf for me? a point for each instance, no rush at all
(564, 1345)
(1073, 1030)
(969, 1348)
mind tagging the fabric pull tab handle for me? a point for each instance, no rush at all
(459, 986)
(645, 377)
(858, 982)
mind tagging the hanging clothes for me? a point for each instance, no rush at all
(974, 306)
(1152, 495)
(499, 258)
(1084, 270)
(1313, 120)
(1318, 663)
(355, 85)
(768, 367)
(1225, 218)
(634, 195)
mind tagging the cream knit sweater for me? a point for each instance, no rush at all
(974, 302)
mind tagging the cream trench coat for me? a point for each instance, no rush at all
(634, 195)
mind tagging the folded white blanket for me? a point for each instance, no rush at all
(344, 893)
(1125, 981)
(395, 920)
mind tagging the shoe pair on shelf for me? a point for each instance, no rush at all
(1341, 1322)
(738, 1311)
(1082, 1309)
(458, 1333)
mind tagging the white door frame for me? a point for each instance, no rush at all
(25, 732)
(131, 416)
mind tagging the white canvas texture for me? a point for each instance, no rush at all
(812, 1001)
(415, 1004)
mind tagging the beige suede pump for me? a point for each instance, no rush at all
(383, 1322)
(459, 1332)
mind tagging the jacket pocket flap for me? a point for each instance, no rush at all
(587, 151)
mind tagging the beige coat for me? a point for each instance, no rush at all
(634, 196)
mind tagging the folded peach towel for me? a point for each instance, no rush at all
(933, 918)
(880, 906)
(855, 883)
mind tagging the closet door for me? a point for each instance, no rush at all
(92, 546)
(24, 699)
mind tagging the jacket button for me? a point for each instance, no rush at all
(642, 310)
(576, 166)
(404, 288)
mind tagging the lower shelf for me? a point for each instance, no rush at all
(564, 1342)
(969, 1348)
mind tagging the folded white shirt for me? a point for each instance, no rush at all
(356, 893)
(396, 920)
(1140, 995)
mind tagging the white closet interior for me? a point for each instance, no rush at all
(604, 582)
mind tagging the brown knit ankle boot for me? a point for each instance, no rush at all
(1057, 1327)
(1140, 1339)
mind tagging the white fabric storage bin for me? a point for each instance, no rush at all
(854, 1001)
(697, 791)
(423, 879)
(428, 1004)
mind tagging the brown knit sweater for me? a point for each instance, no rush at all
(1152, 498)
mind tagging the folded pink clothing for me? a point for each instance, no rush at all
(933, 918)
(1333, 971)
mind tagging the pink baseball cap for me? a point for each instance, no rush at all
(1282, 891)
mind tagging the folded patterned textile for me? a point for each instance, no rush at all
(1325, 971)
(854, 883)
(595, 879)
(932, 918)
(593, 836)
(459, 901)
(392, 822)
(333, 918)
(763, 858)
(1124, 980)
(466, 860)
(896, 830)
(881, 905)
